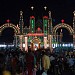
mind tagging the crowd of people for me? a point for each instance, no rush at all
(39, 62)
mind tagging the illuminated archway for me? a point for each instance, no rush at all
(63, 25)
(9, 25)
(35, 43)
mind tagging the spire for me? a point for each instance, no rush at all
(32, 11)
(21, 15)
(50, 27)
(74, 13)
(74, 22)
(21, 22)
(49, 14)
(45, 11)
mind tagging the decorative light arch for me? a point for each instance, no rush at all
(6, 25)
(35, 39)
(63, 25)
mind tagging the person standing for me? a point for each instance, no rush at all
(30, 62)
(45, 62)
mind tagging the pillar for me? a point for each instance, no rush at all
(50, 43)
(26, 43)
(16, 40)
(21, 45)
(74, 30)
(74, 41)
(45, 42)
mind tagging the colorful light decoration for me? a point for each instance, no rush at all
(45, 23)
(63, 25)
(32, 24)
(35, 34)
(9, 25)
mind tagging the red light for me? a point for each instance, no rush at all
(45, 17)
(8, 21)
(39, 29)
(32, 17)
(62, 20)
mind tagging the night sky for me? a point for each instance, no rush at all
(61, 9)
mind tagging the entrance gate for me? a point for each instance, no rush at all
(35, 43)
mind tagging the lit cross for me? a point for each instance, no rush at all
(74, 13)
(45, 7)
(32, 7)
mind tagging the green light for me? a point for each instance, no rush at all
(32, 21)
(45, 24)
(45, 21)
(32, 25)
